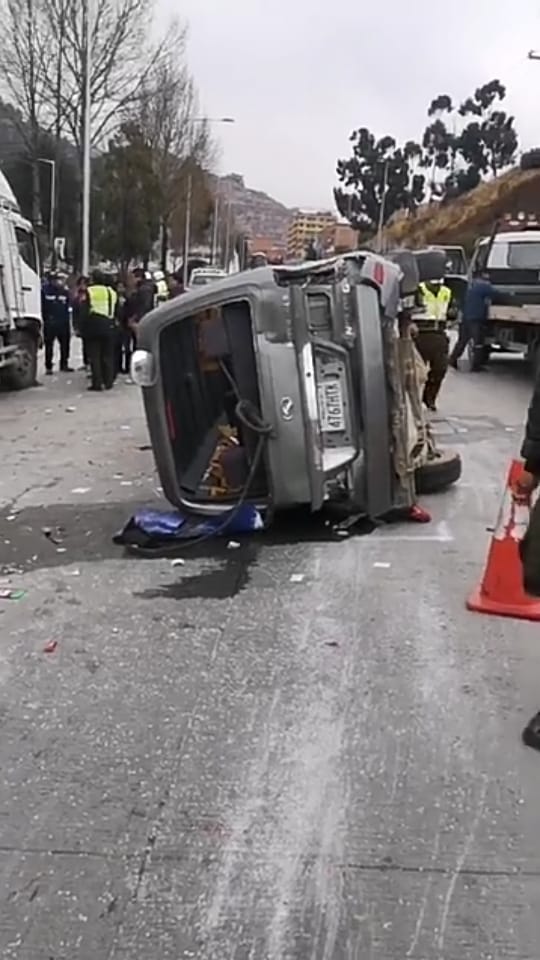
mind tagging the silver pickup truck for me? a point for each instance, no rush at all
(288, 386)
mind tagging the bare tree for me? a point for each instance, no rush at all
(179, 138)
(123, 56)
(24, 57)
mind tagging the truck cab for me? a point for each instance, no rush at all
(20, 293)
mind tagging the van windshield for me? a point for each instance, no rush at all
(524, 256)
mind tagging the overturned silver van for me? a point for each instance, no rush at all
(291, 386)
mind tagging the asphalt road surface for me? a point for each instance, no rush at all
(304, 749)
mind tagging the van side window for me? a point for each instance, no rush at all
(27, 249)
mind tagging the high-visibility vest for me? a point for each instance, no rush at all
(102, 300)
(435, 304)
(162, 291)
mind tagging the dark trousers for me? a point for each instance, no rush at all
(432, 345)
(100, 350)
(468, 330)
(56, 331)
(125, 345)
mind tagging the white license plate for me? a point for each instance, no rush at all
(331, 407)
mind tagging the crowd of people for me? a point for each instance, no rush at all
(104, 311)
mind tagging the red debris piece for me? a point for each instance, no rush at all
(50, 647)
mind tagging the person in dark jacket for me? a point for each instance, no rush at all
(56, 326)
(530, 448)
(475, 316)
(141, 301)
(79, 306)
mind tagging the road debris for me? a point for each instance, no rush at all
(381, 565)
(52, 535)
(233, 545)
(177, 562)
(297, 577)
(80, 490)
(50, 647)
(12, 594)
(71, 409)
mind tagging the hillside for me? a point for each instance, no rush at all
(255, 212)
(463, 220)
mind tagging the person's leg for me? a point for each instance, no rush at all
(425, 343)
(93, 348)
(48, 339)
(464, 336)
(439, 366)
(64, 337)
(107, 359)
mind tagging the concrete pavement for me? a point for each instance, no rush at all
(219, 762)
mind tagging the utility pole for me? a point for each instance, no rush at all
(215, 224)
(382, 209)
(87, 134)
(52, 203)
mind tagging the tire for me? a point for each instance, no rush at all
(23, 374)
(439, 473)
(531, 159)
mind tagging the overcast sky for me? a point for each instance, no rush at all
(299, 75)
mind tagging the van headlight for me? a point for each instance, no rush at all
(143, 368)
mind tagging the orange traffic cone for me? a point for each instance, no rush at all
(501, 591)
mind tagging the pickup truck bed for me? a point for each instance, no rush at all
(528, 314)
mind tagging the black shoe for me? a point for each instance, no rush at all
(66, 370)
(453, 363)
(49, 373)
(94, 389)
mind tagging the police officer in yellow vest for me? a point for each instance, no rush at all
(162, 287)
(431, 339)
(99, 331)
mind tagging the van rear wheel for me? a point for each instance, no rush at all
(22, 374)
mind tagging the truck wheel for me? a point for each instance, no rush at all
(439, 473)
(23, 373)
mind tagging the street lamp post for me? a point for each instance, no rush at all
(382, 208)
(189, 192)
(52, 200)
(87, 133)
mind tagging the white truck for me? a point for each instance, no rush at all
(511, 260)
(20, 294)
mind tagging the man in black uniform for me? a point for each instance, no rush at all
(55, 310)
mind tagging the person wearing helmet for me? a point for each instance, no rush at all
(162, 289)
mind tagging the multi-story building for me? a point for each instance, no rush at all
(305, 228)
